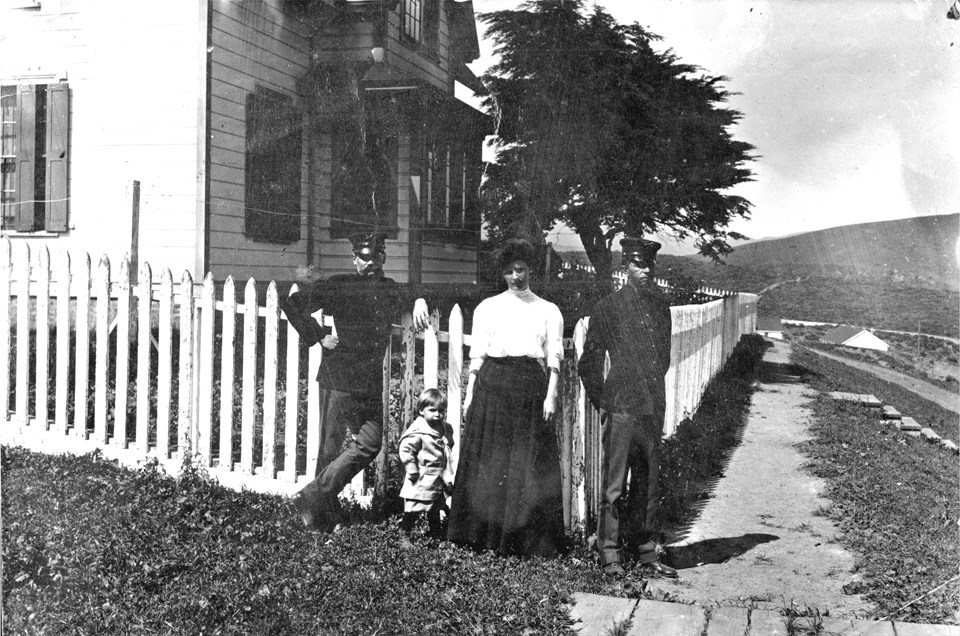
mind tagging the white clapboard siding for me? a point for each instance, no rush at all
(703, 337)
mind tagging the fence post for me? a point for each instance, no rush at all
(164, 364)
(103, 351)
(382, 460)
(43, 336)
(82, 358)
(270, 343)
(228, 344)
(63, 347)
(144, 303)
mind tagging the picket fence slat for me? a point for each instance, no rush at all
(122, 366)
(23, 336)
(314, 356)
(249, 390)
(703, 337)
(6, 279)
(228, 343)
(270, 363)
(186, 415)
(205, 341)
(82, 350)
(63, 346)
(292, 402)
(144, 302)
(102, 351)
(164, 363)
(43, 336)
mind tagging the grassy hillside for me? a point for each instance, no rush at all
(891, 274)
(920, 250)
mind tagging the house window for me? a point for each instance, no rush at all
(34, 157)
(413, 20)
(445, 190)
(364, 181)
(273, 158)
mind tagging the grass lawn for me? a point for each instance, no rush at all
(895, 497)
(91, 548)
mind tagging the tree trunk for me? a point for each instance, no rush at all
(595, 245)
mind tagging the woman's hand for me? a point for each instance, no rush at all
(330, 341)
(549, 409)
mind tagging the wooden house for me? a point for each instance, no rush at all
(856, 337)
(770, 327)
(243, 137)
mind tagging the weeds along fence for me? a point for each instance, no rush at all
(148, 367)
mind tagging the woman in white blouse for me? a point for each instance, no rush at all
(507, 495)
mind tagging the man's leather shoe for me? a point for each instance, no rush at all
(655, 570)
(310, 521)
(613, 570)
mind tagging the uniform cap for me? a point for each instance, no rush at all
(639, 249)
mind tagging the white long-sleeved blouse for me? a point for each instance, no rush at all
(514, 324)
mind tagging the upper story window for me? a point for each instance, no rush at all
(34, 158)
(413, 19)
(420, 22)
(273, 159)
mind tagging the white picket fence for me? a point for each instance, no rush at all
(164, 382)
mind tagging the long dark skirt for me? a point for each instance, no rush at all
(507, 495)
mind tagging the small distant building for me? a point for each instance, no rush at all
(856, 337)
(770, 328)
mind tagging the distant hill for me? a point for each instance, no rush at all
(921, 249)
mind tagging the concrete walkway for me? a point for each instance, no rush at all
(758, 542)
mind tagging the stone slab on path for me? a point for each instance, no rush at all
(866, 399)
(596, 615)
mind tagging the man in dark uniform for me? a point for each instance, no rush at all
(364, 306)
(633, 325)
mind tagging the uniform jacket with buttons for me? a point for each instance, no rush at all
(425, 450)
(634, 326)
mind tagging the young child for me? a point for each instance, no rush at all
(424, 449)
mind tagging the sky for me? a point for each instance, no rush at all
(853, 105)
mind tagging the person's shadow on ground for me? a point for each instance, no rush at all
(715, 550)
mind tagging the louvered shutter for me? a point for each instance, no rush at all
(58, 156)
(26, 158)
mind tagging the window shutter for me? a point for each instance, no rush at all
(26, 157)
(58, 156)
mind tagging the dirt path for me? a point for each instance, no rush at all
(944, 398)
(758, 541)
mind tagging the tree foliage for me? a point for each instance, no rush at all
(602, 132)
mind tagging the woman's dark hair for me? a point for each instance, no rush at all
(515, 249)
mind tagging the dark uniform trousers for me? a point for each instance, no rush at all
(631, 445)
(341, 411)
